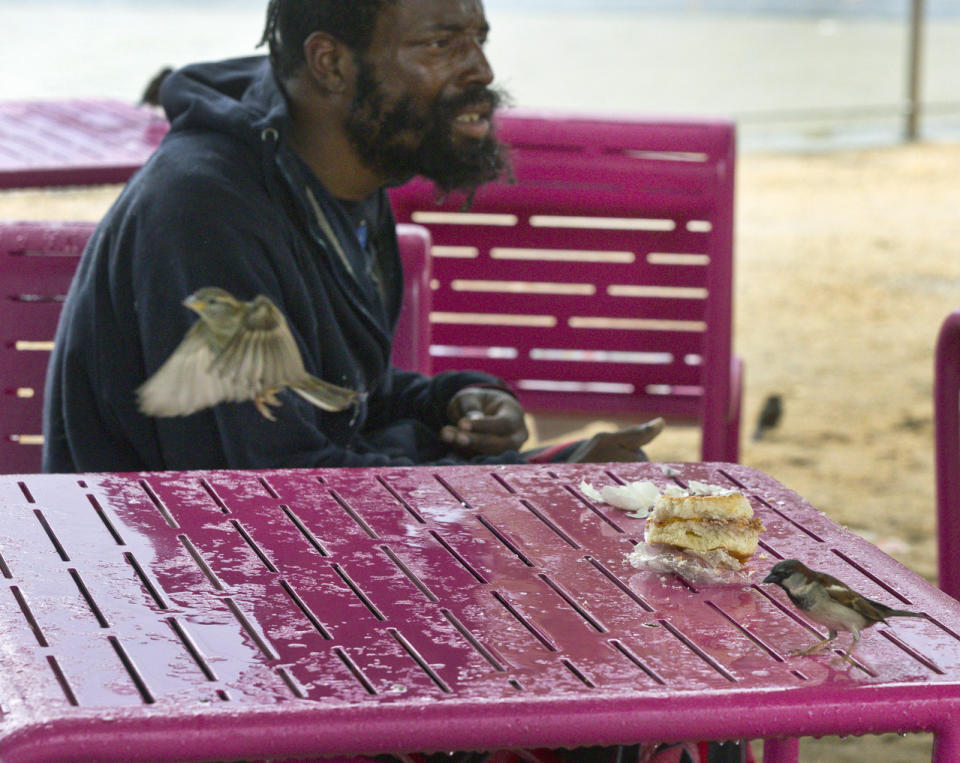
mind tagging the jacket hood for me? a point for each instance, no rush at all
(239, 96)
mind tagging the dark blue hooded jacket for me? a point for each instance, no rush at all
(225, 202)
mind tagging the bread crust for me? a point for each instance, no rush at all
(729, 506)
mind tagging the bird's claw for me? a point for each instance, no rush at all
(843, 658)
(813, 648)
(264, 399)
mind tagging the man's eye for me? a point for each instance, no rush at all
(450, 40)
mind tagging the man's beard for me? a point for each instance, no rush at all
(380, 135)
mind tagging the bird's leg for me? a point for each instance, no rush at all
(845, 657)
(265, 398)
(819, 645)
(264, 411)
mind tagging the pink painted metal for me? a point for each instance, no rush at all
(37, 262)
(781, 750)
(75, 141)
(600, 281)
(238, 615)
(947, 434)
(411, 340)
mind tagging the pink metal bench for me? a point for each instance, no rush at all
(601, 281)
(74, 142)
(37, 261)
(947, 434)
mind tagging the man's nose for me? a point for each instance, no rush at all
(477, 69)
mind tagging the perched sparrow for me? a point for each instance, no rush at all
(770, 415)
(236, 351)
(826, 600)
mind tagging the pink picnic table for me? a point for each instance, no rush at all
(75, 141)
(223, 615)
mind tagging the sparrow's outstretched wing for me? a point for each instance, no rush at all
(238, 351)
(184, 384)
(324, 395)
(264, 354)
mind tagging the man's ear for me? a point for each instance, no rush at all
(329, 62)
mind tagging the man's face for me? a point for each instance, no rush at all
(422, 103)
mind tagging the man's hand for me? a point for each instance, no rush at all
(624, 445)
(484, 422)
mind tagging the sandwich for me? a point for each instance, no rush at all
(703, 523)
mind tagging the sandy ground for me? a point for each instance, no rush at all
(846, 266)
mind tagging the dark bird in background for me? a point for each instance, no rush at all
(237, 351)
(770, 415)
(832, 604)
(151, 94)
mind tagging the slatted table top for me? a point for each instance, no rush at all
(205, 615)
(74, 141)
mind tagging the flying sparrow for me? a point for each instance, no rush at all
(827, 601)
(237, 351)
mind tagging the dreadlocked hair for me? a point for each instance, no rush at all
(290, 22)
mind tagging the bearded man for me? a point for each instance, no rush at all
(271, 182)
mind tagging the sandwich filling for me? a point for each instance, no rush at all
(703, 523)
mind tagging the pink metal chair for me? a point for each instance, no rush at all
(947, 436)
(75, 141)
(601, 280)
(411, 340)
(37, 262)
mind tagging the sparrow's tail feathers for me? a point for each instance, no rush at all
(904, 613)
(324, 395)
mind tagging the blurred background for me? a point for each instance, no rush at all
(794, 73)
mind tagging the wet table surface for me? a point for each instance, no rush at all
(225, 615)
(75, 141)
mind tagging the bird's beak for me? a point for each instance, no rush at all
(194, 304)
(770, 578)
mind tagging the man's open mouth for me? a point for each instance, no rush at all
(474, 121)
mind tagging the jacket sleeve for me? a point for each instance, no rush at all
(424, 398)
